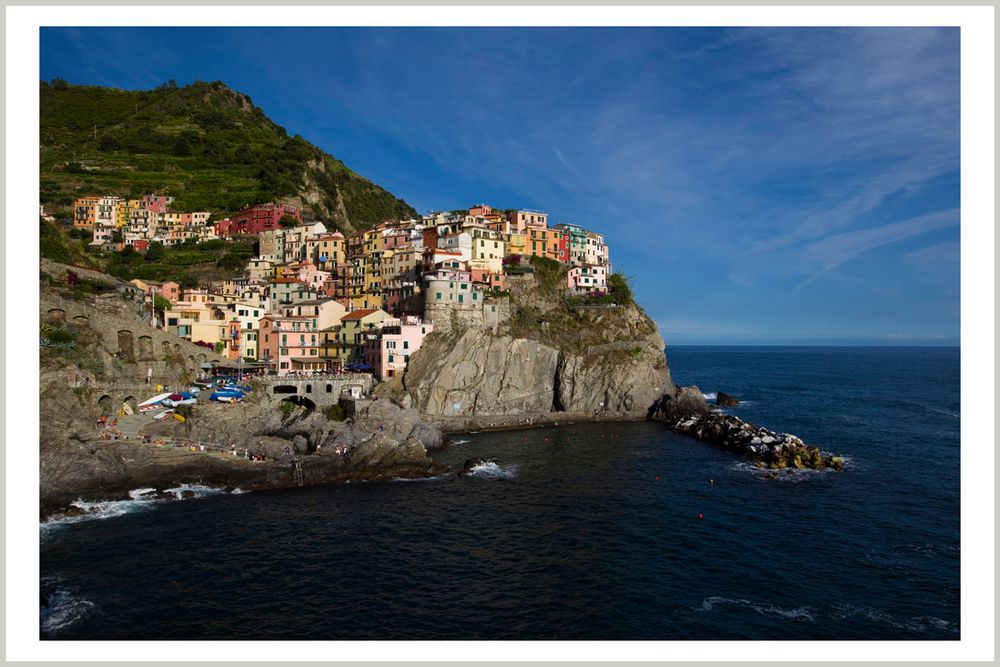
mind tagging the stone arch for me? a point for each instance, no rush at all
(105, 405)
(177, 348)
(81, 319)
(166, 348)
(309, 389)
(56, 316)
(146, 348)
(285, 389)
(126, 349)
(201, 358)
(329, 388)
(132, 403)
(301, 401)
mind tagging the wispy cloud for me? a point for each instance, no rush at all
(834, 250)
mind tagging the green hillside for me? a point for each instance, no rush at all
(204, 144)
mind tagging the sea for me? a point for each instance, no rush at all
(580, 531)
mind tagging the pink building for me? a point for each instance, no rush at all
(488, 279)
(389, 352)
(156, 203)
(290, 343)
(587, 279)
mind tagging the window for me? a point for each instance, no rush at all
(406, 345)
(460, 298)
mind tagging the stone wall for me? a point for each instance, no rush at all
(490, 315)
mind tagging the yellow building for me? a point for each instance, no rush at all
(332, 250)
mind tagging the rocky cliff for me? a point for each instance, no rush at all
(554, 355)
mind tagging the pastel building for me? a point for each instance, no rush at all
(290, 343)
(355, 328)
(389, 352)
(522, 220)
(587, 279)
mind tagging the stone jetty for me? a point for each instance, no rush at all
(766, 449)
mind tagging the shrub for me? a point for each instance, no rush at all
(335, 412)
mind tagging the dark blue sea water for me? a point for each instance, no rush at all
(582, 532)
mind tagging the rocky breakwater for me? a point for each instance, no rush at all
(764, 448)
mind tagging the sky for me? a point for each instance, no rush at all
(760, 186)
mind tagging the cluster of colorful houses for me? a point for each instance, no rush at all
(316, 300)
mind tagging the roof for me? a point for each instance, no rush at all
(359, 314)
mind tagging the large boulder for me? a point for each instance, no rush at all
(678, 403)
(722, 399)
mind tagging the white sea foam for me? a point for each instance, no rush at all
(790, 474)
(237, 491)
(197, 490)
(492, 470)
(460, 442)
(762, 608)
(710, 396)
(915, 624)
(62, 609)
(140, 500)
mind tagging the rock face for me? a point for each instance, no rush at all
(766, 449)
(722, 399)
(478, 373)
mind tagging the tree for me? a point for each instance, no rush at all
(162, 303)
(154, 252)
(619, 288)
(288, 220)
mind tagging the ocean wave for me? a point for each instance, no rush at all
(194, 491)
(60, 608)
(915, 624)
(492, 470)
(460, 442)
(762, 608)
(140, 500)
(710, 396)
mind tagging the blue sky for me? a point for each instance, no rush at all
(761, 186)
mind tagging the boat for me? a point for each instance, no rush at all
(225, 396)
(160, 415)
(153, 403)
(183, 398)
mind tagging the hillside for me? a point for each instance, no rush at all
(204, 144)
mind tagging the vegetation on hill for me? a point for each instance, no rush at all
(541, 309)
(188, 264)
(204, 144)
